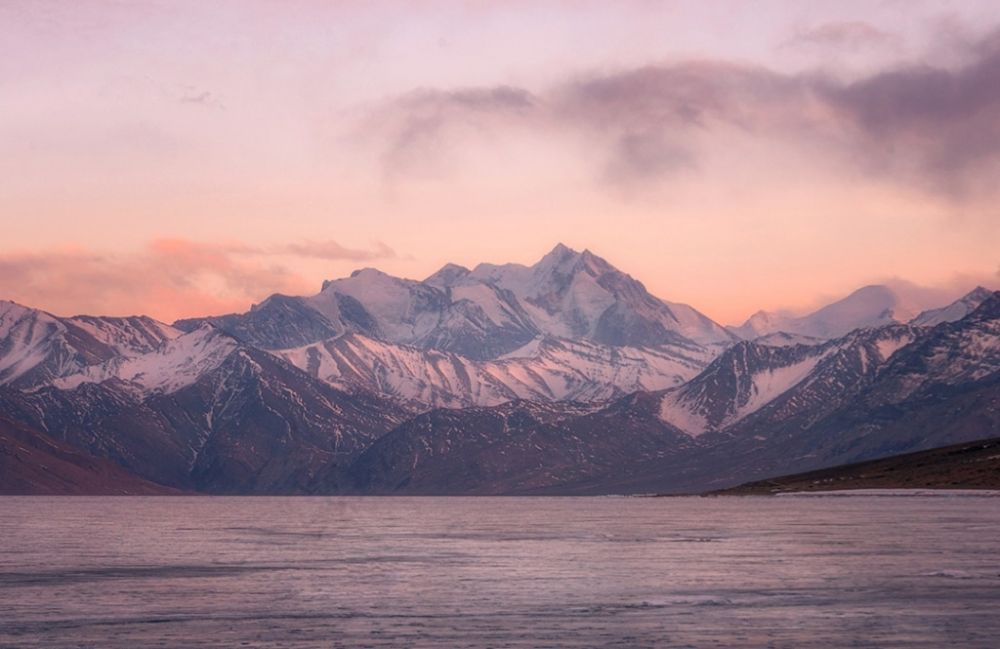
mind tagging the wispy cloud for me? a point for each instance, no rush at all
(850, 35)
(169, 278)
(416, 125)
(331, 250)
(203, 98)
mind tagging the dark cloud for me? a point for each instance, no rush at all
(642, 156)
(942, 124)
(417, 123)
(680, 95)
(650, 119)
(935, 128)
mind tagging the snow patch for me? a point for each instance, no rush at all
(771, 384)
(175, 364)
(677, 413)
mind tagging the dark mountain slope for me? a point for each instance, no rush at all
(519, 447)
(247, 422)
(873, 393)
(32, 463)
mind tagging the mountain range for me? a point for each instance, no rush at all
(566, 376)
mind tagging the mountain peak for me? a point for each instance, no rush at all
(10, 306)
(367, 272)
(989, 308)
(562, 249)
(362, 274)
(558, 256)
(566, 261)
(979, 294)
(957, 310)
(869, 306)
(447, 275)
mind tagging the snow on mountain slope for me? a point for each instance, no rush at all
(283, 321)
(846, 371)
(954, 311)
(480, 314)
(136, 334)
(696, 326)
(448, 312)
(742, 380)
(545, 369)
(176, 363)
(561, 291)
(207, 412)
(951, 353)
(578, 295)
(784, 339)
(405, 310)
(36, 347)
(793, 378)
(870, 306)
(764, 323)
(27, 339)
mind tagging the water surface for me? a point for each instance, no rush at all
(858, 571)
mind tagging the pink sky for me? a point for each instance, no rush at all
(186, 158)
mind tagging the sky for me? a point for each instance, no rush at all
(181, 158)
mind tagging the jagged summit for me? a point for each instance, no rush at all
(565, 375)
(563, 259)
(989, 307)
(956, 310)
(482, 313)
(447, 275)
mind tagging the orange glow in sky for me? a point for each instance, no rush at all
(190, 158)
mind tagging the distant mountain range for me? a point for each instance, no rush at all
(567, 376)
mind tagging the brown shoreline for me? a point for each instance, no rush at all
(971, 465)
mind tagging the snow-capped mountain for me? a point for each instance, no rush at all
(175, 363)
(205, 411)
(784, 339)
(578, 295)
(942, 388)
(966, 351)
(569, 327)
(546, 369)
(481, 314)
(37, 347)
(750, 376)
(282, 321)
(869, 306)
(476, 320)
(954, 311)
(755, 411)
(565, 376)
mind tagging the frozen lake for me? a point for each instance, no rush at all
(859, 571)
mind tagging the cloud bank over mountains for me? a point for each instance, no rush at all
(933, 128)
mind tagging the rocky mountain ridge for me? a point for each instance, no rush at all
(562, 377)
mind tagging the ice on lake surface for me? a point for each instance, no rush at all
(921, 571)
